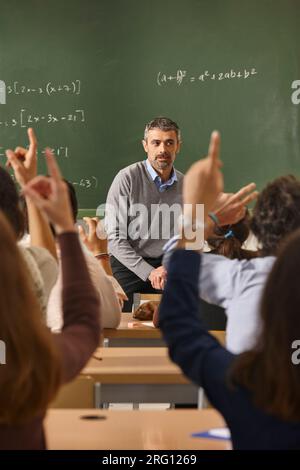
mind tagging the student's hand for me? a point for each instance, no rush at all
(90, 240)
(231, 208)
(204, 181)
(158, 278)
(24, 161)
(51, 196)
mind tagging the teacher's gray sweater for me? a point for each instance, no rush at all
(139, 219)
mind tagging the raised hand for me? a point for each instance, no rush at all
(51, 196)
(232, 207)
(90, 239)
(24, 161)
(204, 181)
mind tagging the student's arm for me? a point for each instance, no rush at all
(39, 229)
(81, 331)
(24, 164)
(199, 354)
(109, 301)
(97, 245)
(190, 345)
(118, 244)
(80, 334)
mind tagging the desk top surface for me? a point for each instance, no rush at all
(147, 430)
(127, 365)
(131, 328)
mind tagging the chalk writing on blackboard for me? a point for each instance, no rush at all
(49, 88)
(86, 183)
(90, 182)
(60, 151)
(184, 77)
(26, 118)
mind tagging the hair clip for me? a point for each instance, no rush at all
(229, 234)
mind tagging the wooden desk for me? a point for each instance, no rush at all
(138, 375)
(146, 430)
(132, 333)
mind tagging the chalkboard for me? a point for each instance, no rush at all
(88, 75)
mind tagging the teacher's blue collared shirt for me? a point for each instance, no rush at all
(161, 185)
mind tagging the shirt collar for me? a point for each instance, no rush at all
(155, 176)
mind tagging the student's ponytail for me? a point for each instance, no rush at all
(228, 240)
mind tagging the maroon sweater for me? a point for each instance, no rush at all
(76, 343)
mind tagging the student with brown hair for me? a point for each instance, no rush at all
(258, 391)
(228, 240)
(104, 283)
(37, 362)
(237, 285)
(40, 256)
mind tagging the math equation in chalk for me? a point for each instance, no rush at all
(72, 87)
(183, 77)
(27, 118)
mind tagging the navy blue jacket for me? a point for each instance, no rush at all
(207, 363)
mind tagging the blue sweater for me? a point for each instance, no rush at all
(207, 363)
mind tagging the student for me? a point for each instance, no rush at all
(236, 285)
(258, 391)
(40, 256)
(37, 362)
(136, 255)
(24, 164)
(110, 307)
(95, 242)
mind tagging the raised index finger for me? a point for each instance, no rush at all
(214, 146)
(32, 139)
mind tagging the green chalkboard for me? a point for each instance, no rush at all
(88, 75)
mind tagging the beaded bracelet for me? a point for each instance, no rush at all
(214, 218)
